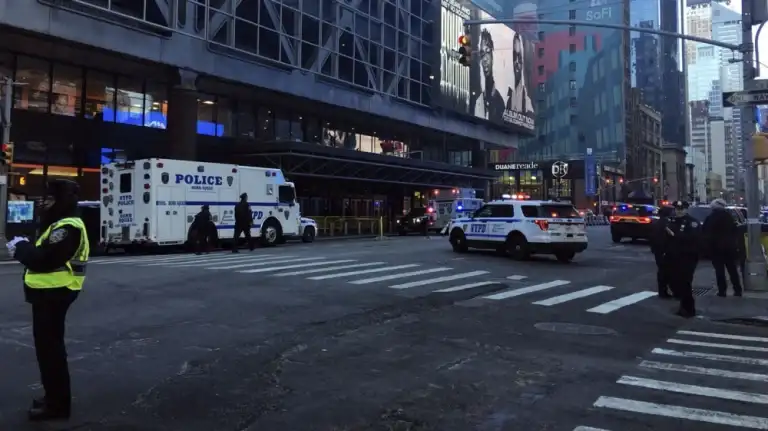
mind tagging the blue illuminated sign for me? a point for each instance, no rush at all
(157, 120)
(590, 174)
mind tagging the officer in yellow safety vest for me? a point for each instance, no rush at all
(53, 277)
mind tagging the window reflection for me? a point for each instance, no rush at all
(206, 115)
(313, 131)
(297, 128)
(33, 96)
(99, 96)
(130, 101)
(246, 120)
(67, 90)
(224, 117)
(266, 124)
(156, 105)
(282, 125)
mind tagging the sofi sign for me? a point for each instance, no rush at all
(157, 120)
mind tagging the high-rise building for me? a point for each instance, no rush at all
(656, 65)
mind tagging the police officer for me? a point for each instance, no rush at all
(659, 247)
(53, 277)
(201, 227)
(682, 256)
(243, 223)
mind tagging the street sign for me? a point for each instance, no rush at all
(745, 98)
(590, 174)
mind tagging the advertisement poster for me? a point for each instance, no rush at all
(503, 94)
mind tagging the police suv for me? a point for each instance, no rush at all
(154, 201)
(521, 228)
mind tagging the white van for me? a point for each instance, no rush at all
(154, 201)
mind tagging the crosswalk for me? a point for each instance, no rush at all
(693, 379)
(597, 299)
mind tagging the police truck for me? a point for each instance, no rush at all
(152, 202)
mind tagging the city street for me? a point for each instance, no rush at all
(393, 334)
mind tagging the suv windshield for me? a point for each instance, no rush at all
(635, 210)
(550, 211)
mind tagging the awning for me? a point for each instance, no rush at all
(302, 159)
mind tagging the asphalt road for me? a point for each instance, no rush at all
(397, 334)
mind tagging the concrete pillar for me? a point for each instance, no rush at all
(182, 118)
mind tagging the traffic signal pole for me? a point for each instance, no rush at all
(4, 168)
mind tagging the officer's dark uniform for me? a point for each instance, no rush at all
(659, 248)
(243, 223)
(682, 256)
(425, 226)
(201, 227)
(53, 277)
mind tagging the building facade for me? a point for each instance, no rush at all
(644, 155)
(342, 96)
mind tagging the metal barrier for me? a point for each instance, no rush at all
(596, 220)
(341, 226)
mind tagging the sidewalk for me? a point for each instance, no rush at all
(751, 305)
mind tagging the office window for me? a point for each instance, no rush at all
(156, 105)
(99, 96)
(572, 84)
(572, 48)
(225, 117)
(541, 70)
(573, 119)
(67, 90)
(206, 115)
(35, 94)
(130, 101)
(574, 102)
(572, 66)
(572, 14)
(541, 52)
(542, 87)
(571, 30)
(541, 35)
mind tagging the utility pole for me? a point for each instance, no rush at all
(755, 277)
(4, 169)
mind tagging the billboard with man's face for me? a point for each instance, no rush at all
(502, 94)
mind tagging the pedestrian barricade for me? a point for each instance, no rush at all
(596, 220)
(341, 226)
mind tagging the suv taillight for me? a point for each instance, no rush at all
(542, 224)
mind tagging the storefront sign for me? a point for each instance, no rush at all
(559, 169)
(590, 174)
(516, 166)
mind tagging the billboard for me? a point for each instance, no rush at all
(502, 94)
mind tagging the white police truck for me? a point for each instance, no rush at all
(153, 202)
(521, 228)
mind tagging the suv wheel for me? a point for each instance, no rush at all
(517, 247)
(459, 241)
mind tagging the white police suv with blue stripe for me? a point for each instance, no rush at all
(154, 201)
(522, 228)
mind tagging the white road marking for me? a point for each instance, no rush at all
(724, 336)
(333, 268)
(517, 277)
(215, 260)
(664, 366)
(400, 275)
(670, 411)
(138, 259)
(465, 286)
(614, 305)
(718, 345)
(573, 295)
(12, 262)
(583, 428)
(711, 357)
(221, 261)
(701, 391)
(271, 262)
(364, 271)
(438, 280)
(301, 265)
(529, 289)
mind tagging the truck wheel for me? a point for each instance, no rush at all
(270, 233)
(309, 234)
(517, 247)
(458, 241)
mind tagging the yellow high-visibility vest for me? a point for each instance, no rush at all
(72, 274)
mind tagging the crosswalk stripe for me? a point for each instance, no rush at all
(221, 261)
(438, 280)
(215, 260)
(724, 336)
(718, 345)
(663, 366)
(671, 411)
(711, 357)
(583, 428)
(614, 305)
(573, 295)
(529, 289)
(136, 259)
(333, 268)
(702, 391)
(301, 265)
(401, 275)
(364, 271)
(465, 286)
(517, 277)
(271, 262)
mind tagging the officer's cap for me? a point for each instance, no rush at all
(205, 207)
(59, 188)
(244, 196)
(680, 205)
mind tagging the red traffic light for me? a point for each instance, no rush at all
(6, 147)
(463, 40)
(655, 180)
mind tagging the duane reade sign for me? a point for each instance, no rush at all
(516, 166)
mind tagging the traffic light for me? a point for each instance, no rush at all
(465, 51)
(621, 180)
(760, 147)
(655, 180)
(7, 158)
